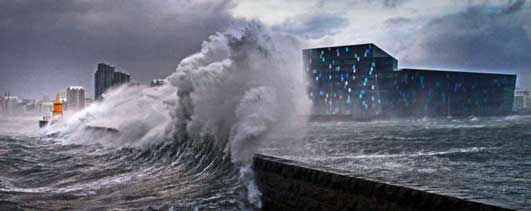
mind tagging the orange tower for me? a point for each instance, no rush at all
(57, 108)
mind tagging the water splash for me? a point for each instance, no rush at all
(239, 85)
(244, 84)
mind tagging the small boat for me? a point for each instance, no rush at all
(44, 121)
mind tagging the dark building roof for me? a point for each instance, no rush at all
(452, 71)
(377, 51)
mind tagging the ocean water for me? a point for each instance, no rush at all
(481, 159)
(40, 173)
(186, 145)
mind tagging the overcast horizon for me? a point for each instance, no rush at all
(49, 45)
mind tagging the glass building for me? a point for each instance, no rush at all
(363, 81)
(417, 92)
(106, 77)
(344, 79)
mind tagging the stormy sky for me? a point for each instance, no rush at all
(47, 45)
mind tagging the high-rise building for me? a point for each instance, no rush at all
(103, 79)
(521, 100)
(364, 81)
(120, 78)
(157, 82)
(75, 98)
(106, 77)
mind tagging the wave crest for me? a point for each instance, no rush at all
(222, 101)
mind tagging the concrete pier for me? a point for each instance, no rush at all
(290, 185)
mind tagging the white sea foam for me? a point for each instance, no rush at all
(418, 154)
(243, 85)
(388, 156)
(138, 112)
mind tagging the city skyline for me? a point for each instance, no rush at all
(63, 48)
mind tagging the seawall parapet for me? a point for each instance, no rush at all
(292, 185)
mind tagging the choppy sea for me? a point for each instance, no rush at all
(481, 159)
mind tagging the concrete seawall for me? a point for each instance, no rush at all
(291, 185)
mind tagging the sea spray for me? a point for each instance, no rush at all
(247, 177)
(139, 112)
(236, 88)
(223, 101)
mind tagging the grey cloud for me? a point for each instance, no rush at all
(397, 21)
(393, 3)
(477, 40)
(314, 26)
(382, 3)
(50, 44)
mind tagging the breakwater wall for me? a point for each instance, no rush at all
(291, 185)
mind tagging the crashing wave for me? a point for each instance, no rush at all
(220, 104)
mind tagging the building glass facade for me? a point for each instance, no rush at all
(103, 79)
(415, 92)
(344, 79)
(120, 78)
(106, 77)
(363, 81)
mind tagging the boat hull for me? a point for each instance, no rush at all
(43, 123)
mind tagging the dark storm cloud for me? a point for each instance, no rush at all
(47, 45)
(480, 38)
